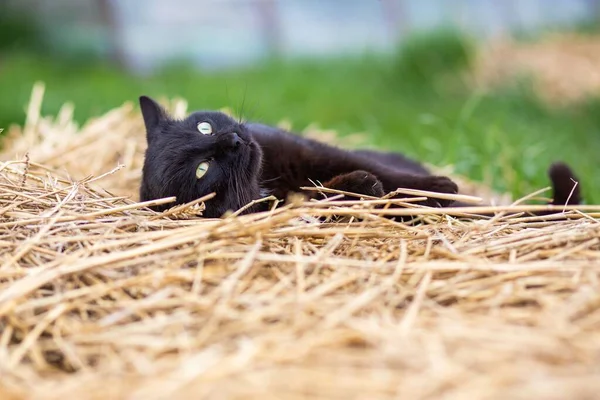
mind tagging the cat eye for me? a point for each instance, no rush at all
(201, 169)
(204, 128)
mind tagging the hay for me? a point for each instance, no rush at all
(102, 298)
(565, 67)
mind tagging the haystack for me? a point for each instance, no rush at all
(564, 68)
(102, 298)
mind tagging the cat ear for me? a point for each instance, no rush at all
(152, 112)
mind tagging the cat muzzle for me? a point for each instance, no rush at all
(236, 141)
(230, 140)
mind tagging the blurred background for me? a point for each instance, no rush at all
(496, 88)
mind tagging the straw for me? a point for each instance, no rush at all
(101, 297)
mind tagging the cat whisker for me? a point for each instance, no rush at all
(272, 179)
(241, 113)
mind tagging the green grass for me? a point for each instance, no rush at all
(507, 139)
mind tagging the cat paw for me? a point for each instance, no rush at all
(360, 182)
(439, 184)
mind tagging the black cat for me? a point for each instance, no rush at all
(210, 152)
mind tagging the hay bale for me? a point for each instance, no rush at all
(102, 298)
(564, 67)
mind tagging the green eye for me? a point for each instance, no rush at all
(201, 170)
(204, 128)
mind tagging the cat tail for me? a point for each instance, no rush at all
(565, 185)
(565, 189)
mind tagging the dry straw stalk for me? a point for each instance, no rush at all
(101, 298)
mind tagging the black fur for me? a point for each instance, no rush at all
(263, 160)
(564, 185)
(175, 148)
(248, 161)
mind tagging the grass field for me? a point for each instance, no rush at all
(506, 139)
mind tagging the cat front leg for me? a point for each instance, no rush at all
(356, 182)
(366, 183)
(359, 182)
(393, 180)
(438, 184)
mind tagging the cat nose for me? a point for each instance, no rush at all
(235, 140)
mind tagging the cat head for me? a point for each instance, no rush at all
(204, 153)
